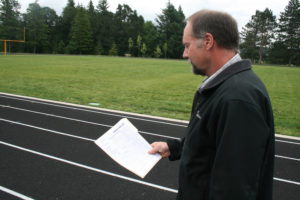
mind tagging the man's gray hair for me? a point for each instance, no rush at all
(221, 25)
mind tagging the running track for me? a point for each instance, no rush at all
(47, 152)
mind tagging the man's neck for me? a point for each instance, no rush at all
(219, 58)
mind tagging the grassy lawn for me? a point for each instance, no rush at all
(149, 86)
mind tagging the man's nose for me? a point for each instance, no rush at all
(185, 53)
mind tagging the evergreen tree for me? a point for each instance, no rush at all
(51, 19)
(10, 27)
(126, 24)
(68, 15)
(81, 34)
(170, 26)
(259, 32)
(104, 27)
(38, 29)
(150, 37)
(94, 21)
(289, 30)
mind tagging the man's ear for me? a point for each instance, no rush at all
(208, 41)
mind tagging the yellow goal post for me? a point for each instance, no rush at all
(4, 40)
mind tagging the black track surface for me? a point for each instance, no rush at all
(31, 146)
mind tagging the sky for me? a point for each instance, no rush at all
(241, 10)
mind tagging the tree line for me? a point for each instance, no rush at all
(92, 30)
(96, 30)
(266, 39)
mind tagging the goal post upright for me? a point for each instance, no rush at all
(4, 40)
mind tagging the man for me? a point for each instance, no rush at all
(228, 150)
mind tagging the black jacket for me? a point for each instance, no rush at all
(228, 151)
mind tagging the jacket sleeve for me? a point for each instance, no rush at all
(175, 147)
(242, 137)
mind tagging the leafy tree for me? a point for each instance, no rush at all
(81, 34)
(114, 50)
(126, 24)
(10, 26)
(139, 43)
(9, 19)
(144, 50)
(289, 30)
(278, 53)
(165, 47)
(38, 29)
(130, 45)
(157, 52)
(52, 20)
(150, 37)
(170, 27)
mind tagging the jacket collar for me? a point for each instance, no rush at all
(228, 72)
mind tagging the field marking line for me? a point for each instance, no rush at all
(14, 193)
(98, 124)
(92, 140)
(83, 121)
(90, 168)
(95, 110)
(111, 173)
(90, 109)
(286, 181)
(284, 141)
(288, 158)
(48, 130)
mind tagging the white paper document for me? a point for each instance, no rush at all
(127, 147)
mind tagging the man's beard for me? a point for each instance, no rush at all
(197, 71)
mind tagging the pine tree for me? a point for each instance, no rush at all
(81, 34)
(258, 34)
(68, 15)
(289, 30)
(104, 26)
(170, 27)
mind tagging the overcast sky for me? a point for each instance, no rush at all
(241, 10)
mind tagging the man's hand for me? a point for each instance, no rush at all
(160, 147)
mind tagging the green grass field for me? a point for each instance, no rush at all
(149, 86)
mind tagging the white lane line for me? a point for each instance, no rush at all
(91, 168)
(82, 121)
(22, 98)
(99, 112)
(288, 158)
(111, 173)
(48, 130)
(283, 141)
(105, 125)
(16, 194)
(287, 181)
(92, 140)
